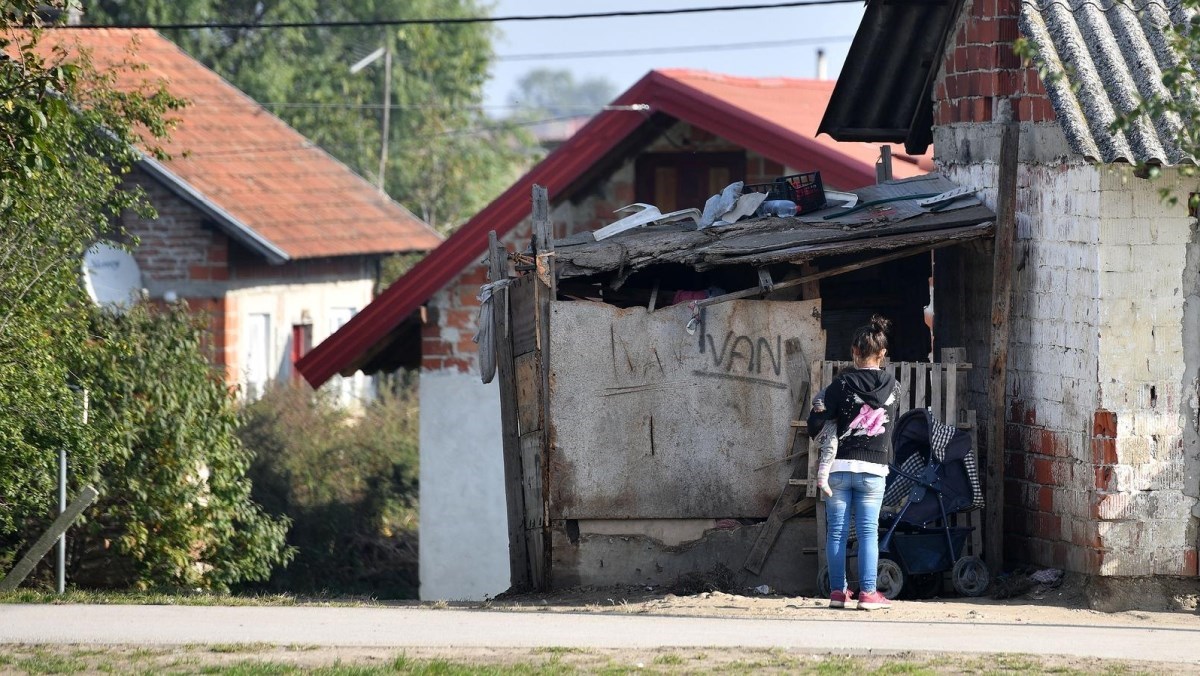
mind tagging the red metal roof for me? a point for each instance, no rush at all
(256, 170)
(777, 118)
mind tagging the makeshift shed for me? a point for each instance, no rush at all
(649, 381)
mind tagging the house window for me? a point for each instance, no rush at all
(674, 181)
(302, 342)
(345, 388)
(258, 354)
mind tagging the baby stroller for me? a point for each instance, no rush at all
(932, 475)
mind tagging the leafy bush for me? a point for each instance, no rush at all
(347, 480)
(174, 508)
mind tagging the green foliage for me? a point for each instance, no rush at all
(556, 92)
(348, 482)
(175, 508)
(66, 140)
(446, 159)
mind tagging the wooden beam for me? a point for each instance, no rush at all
(546, 291)
(755, 291)
(44, 543)
(518, 559)
(1002, 269)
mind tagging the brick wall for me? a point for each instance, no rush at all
(179, 245)
(980, 67)
(1143, 495)
(1097, 451)
(451, 314)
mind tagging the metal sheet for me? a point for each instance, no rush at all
(651, 422)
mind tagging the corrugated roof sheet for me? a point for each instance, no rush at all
(251, 164)
(885, 90)
(1102, 57)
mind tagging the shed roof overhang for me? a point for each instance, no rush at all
(885, 90)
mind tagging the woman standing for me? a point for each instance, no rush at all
(856, 448)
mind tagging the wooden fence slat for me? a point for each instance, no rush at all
(935, 390)
(905, 389)
(921, 377)
(951, 394)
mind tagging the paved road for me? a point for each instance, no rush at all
(413, 627)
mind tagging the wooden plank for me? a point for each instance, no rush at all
(921, 376)
(545, 292)
(514, 492)
(43, 544)
(976, 515)
(522, 314)
(958, 357)
(935, 390)
(756, 291)
(783, 510)
(951, 373)
(528, 373)
(1002, 268)
(905, 389)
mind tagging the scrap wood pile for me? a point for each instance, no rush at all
(889, 216)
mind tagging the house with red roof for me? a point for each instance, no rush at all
(673, 139)
(276, 240)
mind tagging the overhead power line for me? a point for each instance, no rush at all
(466, 19)
(679, 49)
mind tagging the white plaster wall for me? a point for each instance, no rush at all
(289, 304)
(464, 518)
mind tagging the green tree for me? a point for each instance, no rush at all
(61, 166)
(446, 158)
(556, 92)
(175, 508)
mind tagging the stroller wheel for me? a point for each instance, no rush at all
(970, 576)
(890, 578)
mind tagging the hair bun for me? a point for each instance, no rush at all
(880, 324)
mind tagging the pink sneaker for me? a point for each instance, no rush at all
(873, 600)
(839, 599)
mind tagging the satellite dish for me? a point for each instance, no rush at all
(111, 276)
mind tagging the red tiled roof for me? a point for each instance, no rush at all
(249, 164)
(774, 117)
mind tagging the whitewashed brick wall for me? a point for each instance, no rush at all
(1146, 503)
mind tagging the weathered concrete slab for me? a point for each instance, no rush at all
(595, 559)
(649, 421)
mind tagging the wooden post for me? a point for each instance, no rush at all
(44, 543)
(545, 292)
(1002, 264)
(518, 559)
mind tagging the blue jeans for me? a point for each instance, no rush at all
(864, 493)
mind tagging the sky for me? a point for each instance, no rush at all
(833, 24)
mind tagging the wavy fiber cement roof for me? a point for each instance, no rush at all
(1103, 56)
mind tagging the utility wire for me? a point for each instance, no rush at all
(461, 20)
(731, 46)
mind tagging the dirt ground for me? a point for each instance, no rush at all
(1071, 601)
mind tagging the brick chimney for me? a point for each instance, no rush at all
(980, 68)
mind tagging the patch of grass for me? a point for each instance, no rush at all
(669, 658)
(440, 604)
(559, 650)
(905, 668)
(178, 599)
(838, 664)
(240, 647)
(251, 669)
(46, 663)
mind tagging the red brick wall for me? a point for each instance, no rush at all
(980, 67)
(179, 245)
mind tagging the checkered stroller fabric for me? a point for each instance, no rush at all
(916, 441)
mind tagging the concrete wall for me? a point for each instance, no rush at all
(464, 521)
(1101, 448)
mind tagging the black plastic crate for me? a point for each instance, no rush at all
(804, 189)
